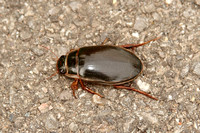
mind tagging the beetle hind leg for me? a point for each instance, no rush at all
(105, 41)
(132, 46)
(139, 91)
(87, 89)
(74, 87)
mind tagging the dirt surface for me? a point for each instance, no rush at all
(29, 102)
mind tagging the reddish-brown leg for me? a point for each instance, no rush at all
(87, 89)
(105, 41)
(133, 89)
(74, 87)
(132, 46)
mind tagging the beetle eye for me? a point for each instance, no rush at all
(62, 70)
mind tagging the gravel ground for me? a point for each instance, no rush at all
(29, 102)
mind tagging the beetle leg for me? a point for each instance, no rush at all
(87, 89)
(74, 87)
(137, 45)
(105, 41)
(139, 91)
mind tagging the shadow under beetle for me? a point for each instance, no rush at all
(103, 64)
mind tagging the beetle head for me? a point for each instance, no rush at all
(61, 65)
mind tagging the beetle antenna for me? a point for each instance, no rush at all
(54, 58)
(50, 51)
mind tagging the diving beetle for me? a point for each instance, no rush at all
(103, 64)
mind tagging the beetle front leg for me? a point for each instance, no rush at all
(74, 87)
(133, 89)
(87, 89)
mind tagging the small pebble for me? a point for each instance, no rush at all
(135, 34)
(143, 85)
(35, 70)
(54, 11)
(197, 2)
(150, 117)
(197, 69)
(73, 126)
(25, 35)
(150, 8)
(114, 2)
(51, 122)
(192, 99)
(140, 23)
(44, 89)
(29, 13)
(65, 95)
(170, 97)
(168, 1)
(44, 107)
(75, 5)
(97, 99)
(185, 70)
(37, 51)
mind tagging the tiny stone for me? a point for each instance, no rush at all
(143, 85)
(169, 1)
(65, 95)
(188, 13)
(135, 34)
(54, 11)
(75, 5)
(179, 57)
(191, 107)
(82, 95)
(35, 70)
(121, 94)
(150, 118)
(161, 54)
(51, 123)
(29, 13)
(27, 114)
(112, 94)
(140, 24)
(67, 32)
(25, 35)
(73, 127)
(197, 2)
(11, 116)
(44, 99)
(97, 99)
(37, 51)
(170, 97)
(44, 89)
(192, 99)
(129, 23)
(195, 125)
(197, 69)
(185, 70)
(126, 101)
(114, 2)
(150, 8)
(44, 107)
(19, 122)
(156, 16)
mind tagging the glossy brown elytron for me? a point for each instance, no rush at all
(103, 64)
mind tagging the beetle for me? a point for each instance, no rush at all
(103, 64)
